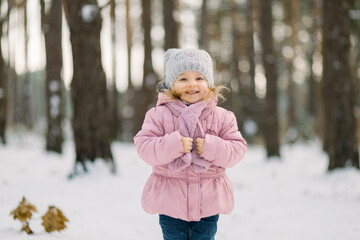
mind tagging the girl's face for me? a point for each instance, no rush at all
(192, 86)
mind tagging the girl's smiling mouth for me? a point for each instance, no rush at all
(192, 92)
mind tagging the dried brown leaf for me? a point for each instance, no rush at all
(27, 229)
(54, 220)
(23, 213)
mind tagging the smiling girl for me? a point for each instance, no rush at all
(190, 142)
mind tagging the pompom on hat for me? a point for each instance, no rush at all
(178, 61)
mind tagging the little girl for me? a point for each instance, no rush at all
(190, 142)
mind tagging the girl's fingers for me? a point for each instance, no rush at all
(199, 145)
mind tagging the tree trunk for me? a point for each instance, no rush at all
(270, 125)
(313, 89)
(146, 97)
(88, 87)
(251, 19)
(128, 110)
(291, 8)
(337, 87)
(27, 90)
(254, 103)
(170, 25)
(3, 97)
(203, 38)
(128, 42)
(51, 25)
(237, 98)
(114, 93)
(3, 86)
(149, 76)
(313, 100)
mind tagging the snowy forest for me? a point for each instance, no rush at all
(77, 77)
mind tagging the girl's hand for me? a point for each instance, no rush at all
(187, 144)
(199, 145)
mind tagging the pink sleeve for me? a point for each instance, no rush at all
(155, 147)
(227, 149)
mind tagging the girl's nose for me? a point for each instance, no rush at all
(192, 82)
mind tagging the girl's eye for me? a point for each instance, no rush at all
(182, 79)
(199, 79)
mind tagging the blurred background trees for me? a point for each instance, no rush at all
(292, 66)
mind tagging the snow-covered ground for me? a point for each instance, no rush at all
(291, 199)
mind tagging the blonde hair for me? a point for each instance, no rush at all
(213, 92)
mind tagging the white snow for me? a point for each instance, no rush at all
(88, 12)
(291, 199)
(54, 85)
(54, 106)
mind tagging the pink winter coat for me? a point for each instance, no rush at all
(188, 195)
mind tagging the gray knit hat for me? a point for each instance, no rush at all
(178, 61)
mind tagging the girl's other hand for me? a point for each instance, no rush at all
(199, 145)
(187, 144)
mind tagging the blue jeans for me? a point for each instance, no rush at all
(177, 229)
